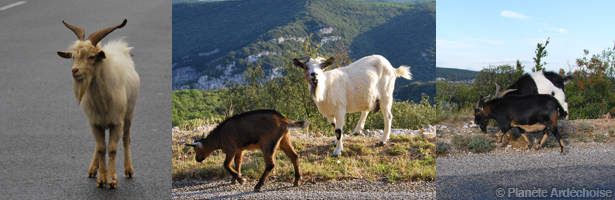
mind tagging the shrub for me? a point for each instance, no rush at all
(481, 144)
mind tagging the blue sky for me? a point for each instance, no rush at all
(473, 34)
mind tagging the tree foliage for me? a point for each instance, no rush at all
(289, 95)
(592, 92)
(540, 53)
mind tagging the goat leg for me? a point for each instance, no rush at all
(115, 133)
(269, 165)
(101, 153)
(227, 165)
(128, 171)
(288, 149)
(527, 141)
(238, 159)
(542, 141)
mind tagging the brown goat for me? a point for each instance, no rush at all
(259, 129)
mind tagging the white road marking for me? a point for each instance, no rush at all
(12, 5)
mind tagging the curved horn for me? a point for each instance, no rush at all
(78, 31)
(478, 103)
(506, 92)
(99, 35)
(191, 144)
(497, 89)
(304, 57)
(203, 136)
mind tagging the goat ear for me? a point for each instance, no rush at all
(65, 54)
(328, 63)
(298, 63)
(101, 54)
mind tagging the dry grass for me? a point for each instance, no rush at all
(402, 159)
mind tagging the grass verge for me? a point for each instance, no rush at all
(402, 159)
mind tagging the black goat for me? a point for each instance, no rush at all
(530, 113)
(259, 129)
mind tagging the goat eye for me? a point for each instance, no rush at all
(91, 57)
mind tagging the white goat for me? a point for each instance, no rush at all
(363, 86)
(106, 86)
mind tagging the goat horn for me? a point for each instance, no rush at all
(304, 57)
(100, 34)
(506, 92)
(191, 144)
(203, 136)
(78, 31)
(497, 89)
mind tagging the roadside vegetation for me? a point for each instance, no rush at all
(590, 95)
(407, 159)
(402, 159)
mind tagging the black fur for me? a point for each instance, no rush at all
(338, 133)
(522, 110)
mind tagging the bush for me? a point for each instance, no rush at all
(441, 147)
(481, 143)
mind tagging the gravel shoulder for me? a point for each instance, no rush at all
(353, 189)
(588, 165)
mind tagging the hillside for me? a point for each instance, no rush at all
(453, 74)
(214, 42)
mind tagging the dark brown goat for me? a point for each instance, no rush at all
(259, 129)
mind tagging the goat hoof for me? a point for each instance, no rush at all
(112, 186)
(91, 175)
(257, 189)
(128, 171)
(498, 144)
(381, 144)
(356, 134)
(563, 153)
(242, 181)
(101, 184)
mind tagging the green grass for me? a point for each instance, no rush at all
(409, 159)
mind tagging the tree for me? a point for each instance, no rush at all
(504, 75)
(592, 93)
(540, 53)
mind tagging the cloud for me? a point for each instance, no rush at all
(512, 14)
(561, 30)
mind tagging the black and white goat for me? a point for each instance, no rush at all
(363, 86)
(540, 82)
(530, 113)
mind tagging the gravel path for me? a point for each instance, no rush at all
(356, 189)
(588, 166)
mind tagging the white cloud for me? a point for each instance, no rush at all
(561, 30)
(512, 14)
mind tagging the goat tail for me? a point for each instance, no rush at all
(403, 71)
(298, 124)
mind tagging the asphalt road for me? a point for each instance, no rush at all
(46, 145)
(479, 176)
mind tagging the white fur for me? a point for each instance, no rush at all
(355, 88)
(108, 103)
(545, 86)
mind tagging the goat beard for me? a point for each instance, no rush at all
(313, 91)
(80, 87)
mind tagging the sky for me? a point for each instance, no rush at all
(475, 34)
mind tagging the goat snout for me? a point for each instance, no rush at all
(76, 75)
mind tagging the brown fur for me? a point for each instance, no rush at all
(266, 130)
